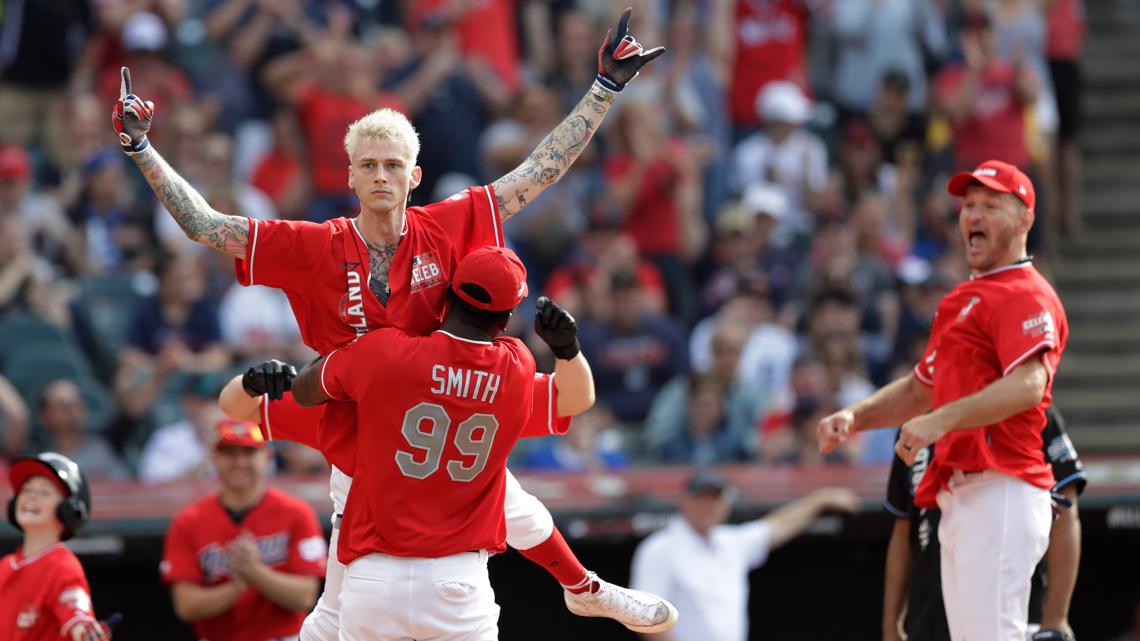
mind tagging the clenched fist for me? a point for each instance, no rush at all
(834, 429)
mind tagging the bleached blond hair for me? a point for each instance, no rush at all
(384, 125)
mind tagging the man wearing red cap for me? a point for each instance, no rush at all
(245, 563)
(986, 380)
(426, 506)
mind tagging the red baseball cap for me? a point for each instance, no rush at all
(235, 433)
(998, 176)
(498, 272)
(14, 162)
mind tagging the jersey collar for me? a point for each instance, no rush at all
(23, 561)
(460, 338)
(1021, 264)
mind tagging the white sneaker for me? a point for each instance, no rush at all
(639, 611)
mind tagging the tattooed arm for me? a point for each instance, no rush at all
(227, 234)
(554, 155)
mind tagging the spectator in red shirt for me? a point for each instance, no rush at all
(330, 85)
(985, 99)
(768, 42)
(282, 173)
(486, 31)
(655, 184)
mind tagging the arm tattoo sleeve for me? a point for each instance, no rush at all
(554, 154)
(227, 234)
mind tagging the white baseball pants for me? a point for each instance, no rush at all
(390, 598)
(994, 530)
(323, 623)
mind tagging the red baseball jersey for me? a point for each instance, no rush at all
(771, 43)
(438, 416)
(324, 271)
(45, 595)
(983, 329)
(288, 537)
(285, 420)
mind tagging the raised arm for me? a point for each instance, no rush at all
(201, 223)
(572, 375)
(619, 60)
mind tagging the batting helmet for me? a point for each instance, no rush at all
(76, 505)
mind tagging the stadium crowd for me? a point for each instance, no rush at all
(758, 236)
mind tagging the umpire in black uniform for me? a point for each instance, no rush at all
(912, 590)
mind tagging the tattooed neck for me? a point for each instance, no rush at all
(379, 264)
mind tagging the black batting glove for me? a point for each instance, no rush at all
(272, 378)
(621, 56)
(556, 327)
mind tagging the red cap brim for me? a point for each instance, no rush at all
(23, 470)
(963, 179)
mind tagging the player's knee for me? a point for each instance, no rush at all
(528, 528)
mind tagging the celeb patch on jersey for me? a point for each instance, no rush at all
(425, 271)
(1038, 325)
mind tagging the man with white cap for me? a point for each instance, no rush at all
(783, 153)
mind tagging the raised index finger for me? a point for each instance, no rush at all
(623, 24)
(125, 84)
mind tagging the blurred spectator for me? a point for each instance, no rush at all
(695, 87)
(937, 224)
(985, 98)
(846, 370)
(574, 63)
(768, 44)
(796, 444)
(743, 401)
(330, 84)
(1065, 38)
(63, 417)
(701, 564)
(882, 235)
(581, 284)
(26, 280)
(257, 322)
(13, 420)
(770, 351)
(784, 153)
(486, 32)
(449, 98)
(176, 330)
(633, 351)
(922, 288)
(44, 46)
(655, 185)
(705, 437)
(807, 379)
(116, 235)
(251, 33)
(48, 232)
(876, 36)
(901, 132)
(180, 450)
(593, 444)
(67, 149)
(282, 174)
(144, 39)
(244, 561)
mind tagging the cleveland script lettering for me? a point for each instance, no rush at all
(458, 382)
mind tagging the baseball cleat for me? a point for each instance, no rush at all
(639, 611)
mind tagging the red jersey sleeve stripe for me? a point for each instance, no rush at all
(922, 378)
(497, 220)
(1047, 343)
(252, 250)
(70, 623)
(324, 364)
(550, 403)
(265, 418)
